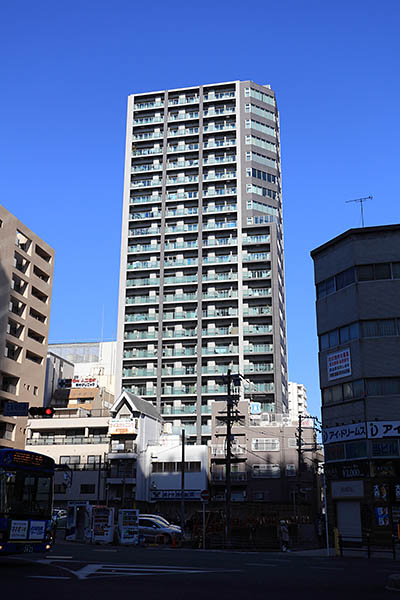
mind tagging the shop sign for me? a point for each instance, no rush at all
(382, 516)
(342, 433)
(122, 427)
(78, 382)
(353, 470)
(175, 494)
(347, 489)
(339, 364)
(382, 429)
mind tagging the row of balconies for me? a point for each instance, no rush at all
(253, 329)
(188, 389)
(184, 99)
(190, 244)
(186, 351)
(191, 370)
(193, 261)
(193, 278)
(224, 142)
(253, 311)
(182, 131)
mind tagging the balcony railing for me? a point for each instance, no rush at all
(188, 409)
(220, 350)
(220, 159)
(258, 348)
(147, 151)
(142, 300)
(140, 335)
(178, 391)
(219, 143)
(140, 282)
(186, 100)
(179, 334)
(140, 354)
(145, 199)
(140, 317)
(179, 297)
(179, 371)
(143, 105)
(257, 329)
(67, 440)
(139, 372)
(182, 279)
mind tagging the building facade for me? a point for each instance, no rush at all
(57, 368)
(26, 277)
(91, 360)
(357, 276)
(202, 273)
(297, 396)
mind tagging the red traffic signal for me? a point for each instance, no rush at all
(41, 411)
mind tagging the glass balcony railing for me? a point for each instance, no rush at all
(181, 164)
(147, 120)
(256, 239)
(184, 409)
(178, 391)
(181, 263)
(226, 294)
(218, 176)
(206, 430)
(144, 248)
(187, 179)
(220, 350)
(140, 317)
(141, 392)
(219, 331)
(258, 387)
(180, 333)
(219, 159)
(147, 136)
(219, 225)
(182, 195)
(140, 335)
(146, 183)
(219, 127)
(206, 410)
(143, 265)
(186, 100)
(259, 368)
(257, 292)
(176, 212)
(145, 199)
(139, 372)
(220, 208)
(142, 300)
(180, 298)
(143, 105)
(140, 353)
(167, 352)
(217, 370)
(181, 132)
(256, 274)
(257, 311)
(189, 429)
(257, 329)
(181, 245)
(146, 151)
(179, 315)
(257, 256)
(220, 192)
(144, 168)
(219, 143)
(143, 231)
(214, 389)
(148, 214)
(182, 147)
(218, 95)
(182, 279)
(225, 241)
(185, 117)
(218, 111)
(140, 282)
(181, 228)
(183, 371)
(220, 277)
(258, 348)
(223, 312)
(209, 260)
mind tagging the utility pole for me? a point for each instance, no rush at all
(361, 201)
(183, 482)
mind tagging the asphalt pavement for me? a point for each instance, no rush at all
(71, 570)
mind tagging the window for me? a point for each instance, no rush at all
(94, 459)
(386, 448)
(379, 328)
(37, 315)
(345, 278)
(36, 336)
(365, 273)
(42, 253)
(88, 488)
(383, 386)
(292, 443)
(266, 471)
(291, 470)
(265, 444)
(34, 357)
(60, 488)
(39, 295)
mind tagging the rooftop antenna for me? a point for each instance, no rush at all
(361, 201)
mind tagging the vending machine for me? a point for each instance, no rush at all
(78, 525)
(128, 526)
(102, 521)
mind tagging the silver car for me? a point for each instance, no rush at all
(153, 528)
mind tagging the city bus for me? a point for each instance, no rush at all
(26, 501)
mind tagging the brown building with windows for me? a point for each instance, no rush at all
(26, 277)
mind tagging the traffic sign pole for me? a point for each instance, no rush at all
(204, 525)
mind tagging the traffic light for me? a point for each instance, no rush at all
(41, 411)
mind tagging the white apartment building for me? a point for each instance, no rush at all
(202, 269)
(297, 400)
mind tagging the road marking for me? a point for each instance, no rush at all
(46, 577)
(105, 550)
(263, 564)
(56, 556)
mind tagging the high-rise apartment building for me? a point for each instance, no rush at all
(202, 271)
(297, 396)
(26, 276)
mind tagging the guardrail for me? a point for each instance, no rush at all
(367, 544)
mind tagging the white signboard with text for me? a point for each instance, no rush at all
(343, 433)
(383, 429)
(339, 364)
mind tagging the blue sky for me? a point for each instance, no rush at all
(68, 67)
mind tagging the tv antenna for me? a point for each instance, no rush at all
(361, 201)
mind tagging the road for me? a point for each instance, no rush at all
(70, 570)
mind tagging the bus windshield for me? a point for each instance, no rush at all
(24, 493)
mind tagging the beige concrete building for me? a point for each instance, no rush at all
(26, 276)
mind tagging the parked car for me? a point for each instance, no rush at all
(151, 528)
(162, 520)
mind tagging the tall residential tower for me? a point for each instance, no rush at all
(202, 271)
